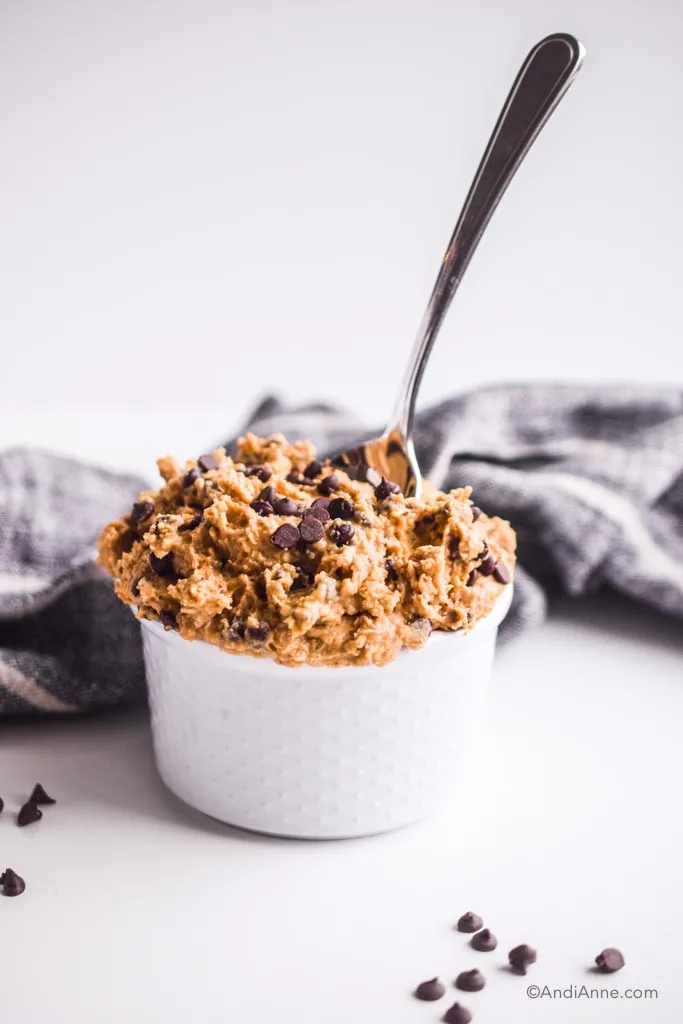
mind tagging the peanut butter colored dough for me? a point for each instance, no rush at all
(196, 555)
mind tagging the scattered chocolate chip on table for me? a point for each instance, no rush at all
(470, 922)
(470, 981)
(610, 960)
(430, 991)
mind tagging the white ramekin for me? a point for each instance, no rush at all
(317, 753)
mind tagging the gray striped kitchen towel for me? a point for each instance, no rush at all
(590, 477)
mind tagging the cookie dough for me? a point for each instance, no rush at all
(275, 554)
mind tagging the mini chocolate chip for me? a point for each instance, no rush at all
(302, 581)
(207, 462)
(140, 511)
(476, 512)
(286, 536)
(313, 469)
(191, 524)
(488, 566)
(320, 503)
(162, 566)
(501, 573)
(457, 1014)
(264, 508)
(190, 477)
(285, 507)
(12, 883)
(521, 957)
(454, 546)
(317, 511)
(268, 494)
(390, 567)
(430, 991)
(260, 588)
(2, 805)
(469, 922)
(385, 488)
(341, 533)
(340, 508)
(311, 529)
(470, 981)
(329, 484)
(39, 796)
(484, 941)
(28, 814)
(264, 473)
(472, 578)
(610, 960)
(259, 632)
(296, 478)
(167, 619)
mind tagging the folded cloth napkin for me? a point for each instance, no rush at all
(590, 477)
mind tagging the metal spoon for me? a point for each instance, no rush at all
(544, 77)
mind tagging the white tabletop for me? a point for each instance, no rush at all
(138, 909)
(201, 202)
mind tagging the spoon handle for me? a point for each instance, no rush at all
(544, 77)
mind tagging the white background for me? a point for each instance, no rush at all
(202, 201)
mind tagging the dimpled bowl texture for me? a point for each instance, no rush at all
(317, 753)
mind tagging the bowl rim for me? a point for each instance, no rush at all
(259, 665)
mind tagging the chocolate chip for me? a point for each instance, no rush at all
(140, 511)
(473, 576)
(329, 484)
(429, 991)
(521, 957)
(610, 960)
(457, 1014)
(341, 533)
(285, 507)
(167, 619)
(390, 568)
(470, 981)
(302, 581)
(313, 469)
(320, 503)
(318, 512)
(311, 530)
(286, 536)
(262, 472)
(268, 494)
(191, 524)
(340, 508)
(162, 566)
(260, 588)
(296, 478)
(39, 796)
(454, 546)
(259, 632)
(484, 941)
(190, 477)
(501, 573)
(12, 884)
(385, 488)
(469, 922)
(2, 805)
(263, 508)
(476, 512)
(488, 566)
(207, 462)
(28, 814)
